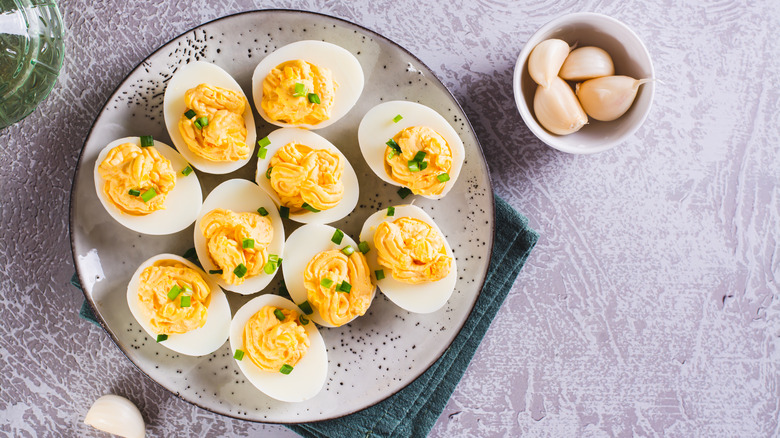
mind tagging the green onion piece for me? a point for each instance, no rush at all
(286, 369)
(420, 155)
(186, 171)
(262, 211)
(313, 98)
(443, 177)
(161, 338)
(397, 118)
(268, 172)
(202, 121)
(306, 206)
(146, 141)
(174, 292)
(262, 153)
(302, 319)
(337, 236)
(391, 211)
(300, 90)
(190, 114)
(134, 192)
(269, 268)
(148, 195)
(380, 274)
(326, 283)
(284, 212)
(348, 250)
(185, 301)
(278, 314)
(403, 192)
(423, 165)
(273, 258)
(239, 354)
(240, 270)
(306, 307)
(414, 166)
(344, 287)
(394, 145)
(363, 247)
(392, 154)
(197, 124)
(187, 289)
(215, 271)
(263, 142)
(248, 243)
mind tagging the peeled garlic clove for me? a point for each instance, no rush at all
(557, 108)
(609, 97)
(116, 415)
(587, 63)
(546, 60)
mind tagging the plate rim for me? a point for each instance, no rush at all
(114, 339)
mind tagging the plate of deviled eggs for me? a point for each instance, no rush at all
(282, 217)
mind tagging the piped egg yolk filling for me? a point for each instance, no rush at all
(172, 316)
(288, 90)
(137, 179)
(413, 250)
(420, 177)
(300, 174)
(228, 237)
(272, 343)
(323, 278)
(223, 137)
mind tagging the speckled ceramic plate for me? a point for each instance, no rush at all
(375, 355)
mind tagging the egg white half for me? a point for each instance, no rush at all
(307, 377)
(377, 127)
(182, 204)
(302, 245)
(346, 69)
(425, 297)
(279, 138)
(240, 195)
(198, 342)
(190, 76)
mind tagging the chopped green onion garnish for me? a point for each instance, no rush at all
(174, 292)
(391, 211)
(348, 250)
(403, 192)
(197, 124)
(344, 287)
(300, 90)
(306, 206)
(337, 236)
(302, 319)
(263, 142)
(161, 338)
(278, 314)
(262, 211)
(313, 98)
(286, 369)
(134, 192)
(202, 122)
(190, 114)
(273, 258)
(186, 171)
(185, 301)
(269, 268)
(326, 283)
(148, 195)
(306, 307)
(239, 354)
(284, 212)
(240, 270)
(394, 145)
(414, 166)
(262, 153)
(392, 154)
(363, 247)
(268, 172)
(423, 165)
(146, 141)
(248, 243)
(443, 177)
(397, 118)
(215, 271)
(380, 274)
(419, 156)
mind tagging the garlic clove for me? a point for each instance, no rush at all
(557, 109)
(609, 97)
(546, 60)
(116, 415)
(587, 63)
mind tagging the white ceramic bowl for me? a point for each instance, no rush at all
(630, 57)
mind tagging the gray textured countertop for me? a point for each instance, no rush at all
(649, 307)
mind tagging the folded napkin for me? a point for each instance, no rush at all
(414, 410)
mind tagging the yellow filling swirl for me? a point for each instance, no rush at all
(166, 315)
(438, 157)
(301, 174)
(225, 233)
(224, 138)
(335, 307)
(282, 103)
(130, 167)
(413, 250)
(271, 343)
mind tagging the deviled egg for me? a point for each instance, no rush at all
(278, 349)
(208, 118)
(147, 186)
(178, 305)
(307, 176)
(239, 237)
(326, 268)
(307, 84)
(412, 260)
(410, 145)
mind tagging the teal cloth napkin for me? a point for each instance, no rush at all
(414, 410)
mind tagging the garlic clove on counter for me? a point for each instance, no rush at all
(557, 109)
(609, 97)
(116, 415)
(546, 60)
(587, 63)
